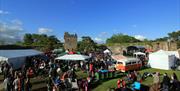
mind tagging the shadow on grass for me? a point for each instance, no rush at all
(95, 84)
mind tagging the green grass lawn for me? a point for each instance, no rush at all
(112, 83)
(149, 80)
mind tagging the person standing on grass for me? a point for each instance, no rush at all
(166, 82)
(15, 83)
(28, 84)
(49, 83)
(86, 87)
(91, 69)
(11, 79)
(119, 83)
(5, 70)
(175, 84)
(139, 77)
(156, 79)
(6, 84)
(20, 82)
(81, 63)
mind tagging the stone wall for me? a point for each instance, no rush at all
(70, 41)
(118, 48)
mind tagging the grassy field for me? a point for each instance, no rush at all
(112, 83)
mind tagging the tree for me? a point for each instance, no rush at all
(53, 42)
(162, 39)
(28, 40)
(172, 36)
(44, 42)
(121, 38)
(87, 44)
(175, 35)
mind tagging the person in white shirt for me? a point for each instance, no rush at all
(15, 83)
(6, 84)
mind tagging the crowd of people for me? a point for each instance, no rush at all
(16, 80)
(168, 83)
(59, 75)
(133, 82)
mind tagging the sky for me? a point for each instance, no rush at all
(99, 19)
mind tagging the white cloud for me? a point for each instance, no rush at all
(140, 37)
(99, 40)
(79, 39)
(3, 12)
(17, 22)
(102, 34)
(10, 32)
(100, 37)
(44, 30)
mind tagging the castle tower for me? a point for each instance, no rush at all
(70, 41)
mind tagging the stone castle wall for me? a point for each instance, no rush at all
(70, 41)
(154, 46)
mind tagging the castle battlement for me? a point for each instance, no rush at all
(70, 41)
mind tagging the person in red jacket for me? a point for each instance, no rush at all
(30, 72)
(91, 69)
(119, 83)
(123, 83)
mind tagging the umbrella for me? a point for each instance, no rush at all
(107, 51)
(139, 53)
(73, 57)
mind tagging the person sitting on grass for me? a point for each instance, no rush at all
(156, 79)
(49, 83)
(28, 84)
(166, 82)
(89, 79)
(175, 84)
(15, 83)
(136, 86)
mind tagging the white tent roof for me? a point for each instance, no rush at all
(162, 52)
(73, 57)
(107, 51)
(139, 53)
(18, 53)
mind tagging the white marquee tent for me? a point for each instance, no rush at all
(17, 57)
(73, 57)
(162, 59)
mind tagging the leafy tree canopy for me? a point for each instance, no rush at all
(121, 38)
(87, 44)
(42, 40)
